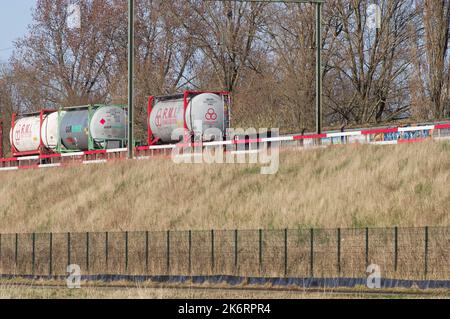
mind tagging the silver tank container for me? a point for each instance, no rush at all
(102, 123)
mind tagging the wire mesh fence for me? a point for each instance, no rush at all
(402, 253)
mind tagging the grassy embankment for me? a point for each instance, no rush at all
(350, 186)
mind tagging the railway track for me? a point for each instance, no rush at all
(383, 136)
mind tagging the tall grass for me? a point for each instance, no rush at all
(349, 186)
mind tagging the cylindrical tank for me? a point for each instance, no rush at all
(25, 136)
(28, 131)
(167, 116)
(49, 130)
(105, 123)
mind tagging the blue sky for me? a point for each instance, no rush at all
(15, 16)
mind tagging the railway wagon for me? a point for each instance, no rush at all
(193, 111)
(73, 129)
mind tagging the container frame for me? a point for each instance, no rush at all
(187, 96)
(42, 150)
(1, 136)
(92, 143)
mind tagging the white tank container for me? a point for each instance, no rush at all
(49, 130)
(167, 116)
(28, 132)
(108, 123)
(25, 136)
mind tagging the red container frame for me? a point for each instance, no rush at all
(41, 149)
(1, 138)
(186, 95)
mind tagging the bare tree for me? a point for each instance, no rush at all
(226, 34)
(292, 37)
(430, 87)
(7, 104)
(368, 72)
(62, 66)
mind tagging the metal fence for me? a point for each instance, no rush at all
(403, 253)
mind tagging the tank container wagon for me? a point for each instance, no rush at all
(92, 127)
(34, 133)
(73, 129)
(184, 111)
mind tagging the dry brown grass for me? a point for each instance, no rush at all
(136, 293)
(350, 186)
(57, 290)
(152, 293)
(30, 293)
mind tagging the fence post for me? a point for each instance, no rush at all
(212, 252)
(16, 251)
(426, 252)
(33, 252)
(311, 256)
(50, 262)
(367, 247)
(126, 252)
(107, 251)
(87, 252)
(146, 251)
(260, 251)
(236, 250)
(68, 250)
(190, 251)
(168, 252)
(339, 250)
(285, 253)
(395, 248)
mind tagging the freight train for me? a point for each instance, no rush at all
(103, 127)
